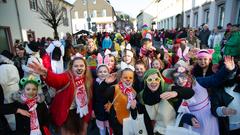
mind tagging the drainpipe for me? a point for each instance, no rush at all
(19, 22)
(71, 19)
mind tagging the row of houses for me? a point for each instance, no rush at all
(171, 14)
(20, 19)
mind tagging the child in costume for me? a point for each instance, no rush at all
(29, 99)
(201, 107)
(121, 101)
(162, 101)
(204, 64)
(103, 81)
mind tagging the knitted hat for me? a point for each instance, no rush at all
(151, 71)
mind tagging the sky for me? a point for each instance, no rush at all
(130, 7)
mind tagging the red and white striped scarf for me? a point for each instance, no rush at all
(81, 97)
(32, 105)
(128, 92)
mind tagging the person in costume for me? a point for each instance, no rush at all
(103, 81)
(200, 106)
(157, 64)
(204, 63)
(29, 99)
(121, 101)
(56, 51)
(71, 107)
(225, 105)
(162, 101)
(107, 42)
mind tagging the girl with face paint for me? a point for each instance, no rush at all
(121, 101)
(71, 108)
(161, 102)
(204, 122)
(102, 82)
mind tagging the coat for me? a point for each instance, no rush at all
(219, 99)
(232, 47)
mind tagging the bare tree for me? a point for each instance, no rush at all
(52, 14)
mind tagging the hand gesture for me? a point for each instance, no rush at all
(133, 104)
(168, 95)
(229, 111)
(23, 112)
(195, 123)
(229, 62)
(111, 78)
(38, 68)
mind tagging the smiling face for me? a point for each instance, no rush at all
(127, 78)
(140, 69)
(30, 90)
(180, 79)
(203, 62)
(128, 57)
(156, 64)
(102, 72)
(153, 82)
(20, 52)
(111, 63)
(78, 67)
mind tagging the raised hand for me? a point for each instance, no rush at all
(38, 68)
(229, 62)
(168, 95)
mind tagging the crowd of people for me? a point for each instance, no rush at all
(58, 86)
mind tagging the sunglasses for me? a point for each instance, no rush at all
(150, 80)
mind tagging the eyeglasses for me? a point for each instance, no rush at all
(150, 80)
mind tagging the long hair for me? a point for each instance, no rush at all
(87, 76)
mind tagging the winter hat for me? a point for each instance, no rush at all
(151, 71)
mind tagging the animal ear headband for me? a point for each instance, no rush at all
(205, 53)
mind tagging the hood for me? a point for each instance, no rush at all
(5, 60)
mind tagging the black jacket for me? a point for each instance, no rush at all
(219, 99)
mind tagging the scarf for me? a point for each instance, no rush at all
(81, 97)
(128, 92)
(32, 105)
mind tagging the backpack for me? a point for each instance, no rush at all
(56, 53)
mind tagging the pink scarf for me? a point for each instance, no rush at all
(128, 92)
(32, 105)
(81, 97)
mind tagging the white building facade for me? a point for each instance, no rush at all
(196, 12)
(20, 19)
(93, 15)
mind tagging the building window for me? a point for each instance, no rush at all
(33, 4)
(188, 21)
(206, 16)
(65, 17)
(76, 14)
(195, 19)
(84, 2)
(48, 5)
(94, 14)
(94, 1)
(3, 1)
(221, 10)
(104, 13)
(85, 14)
